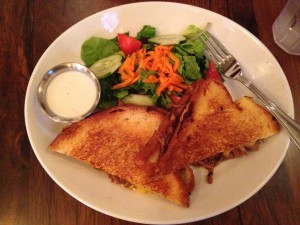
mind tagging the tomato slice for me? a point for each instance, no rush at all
(128, 44)
(212, 72)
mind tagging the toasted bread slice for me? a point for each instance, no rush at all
(213, 123)
(110, 141)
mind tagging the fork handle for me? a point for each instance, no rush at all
(287, 122)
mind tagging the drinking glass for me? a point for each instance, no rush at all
(286, 28)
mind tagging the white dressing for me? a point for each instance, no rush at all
(71, 94)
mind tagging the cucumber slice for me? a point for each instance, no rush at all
(172, 39)
(106, 66)
(136, 99)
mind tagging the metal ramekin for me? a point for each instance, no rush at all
(50, 75)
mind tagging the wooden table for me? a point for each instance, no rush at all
(27, 194)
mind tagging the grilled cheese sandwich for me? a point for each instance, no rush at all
(213, 123)
(110, 141)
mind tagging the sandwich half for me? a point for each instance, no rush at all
(212, 123)
(110, 141)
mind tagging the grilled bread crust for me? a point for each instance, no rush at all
(213, 123)
(110, 141)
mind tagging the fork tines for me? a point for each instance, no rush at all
(214, 49)
(216, 52)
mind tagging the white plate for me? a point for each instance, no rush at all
(234, 181)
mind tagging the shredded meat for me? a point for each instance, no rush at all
(211, 162)
(118, 180)
(255, 146)
(236, 152)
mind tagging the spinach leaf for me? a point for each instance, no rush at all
(108, 96)
(203, 63)
(95, 48)
(146, 32)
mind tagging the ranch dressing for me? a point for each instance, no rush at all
(71, 94)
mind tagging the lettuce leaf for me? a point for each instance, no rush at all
(193, 47)
(164, 101)
(191, 31)
(193, 62)
(147, 88)
(191, 69)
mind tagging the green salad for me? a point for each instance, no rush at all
(147, 69)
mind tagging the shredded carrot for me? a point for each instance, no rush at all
(123, 84)
(151, 79)
(175, 59)
(161, 61)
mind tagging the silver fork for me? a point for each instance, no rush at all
(230, 68)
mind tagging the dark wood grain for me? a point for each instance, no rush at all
(27, 193)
